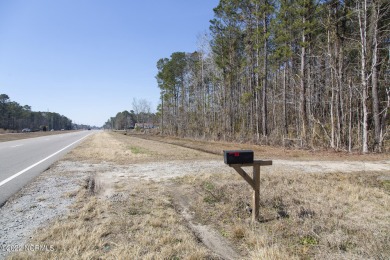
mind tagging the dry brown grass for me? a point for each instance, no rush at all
(332, 216)
(216, 147)
(139, 222)
(303, 216)
(122, 149)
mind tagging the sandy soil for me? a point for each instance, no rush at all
(114, 159)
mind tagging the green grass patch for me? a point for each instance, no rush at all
(209, 186)
(210, 199)
(138, 150)
(308, 240)
(386, 185)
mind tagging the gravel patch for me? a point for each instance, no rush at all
(35, 206)
(50, 195)
(331, 166)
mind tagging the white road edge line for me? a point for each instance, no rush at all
(41, 161)
(16, 145)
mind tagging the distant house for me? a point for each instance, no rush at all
(144, 125)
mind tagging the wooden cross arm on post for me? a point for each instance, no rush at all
(247, 178)
(243, 174)
(254, 182)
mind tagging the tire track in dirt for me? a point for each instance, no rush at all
(206, 234)
(179, 162)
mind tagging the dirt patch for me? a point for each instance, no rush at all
(209, 237)
(116, 196)
(331, 166)
(117, 193)
(115, 219)
(302, 215)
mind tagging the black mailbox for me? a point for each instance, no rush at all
(238, 156)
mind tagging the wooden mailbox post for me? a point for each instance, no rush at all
(253, 181)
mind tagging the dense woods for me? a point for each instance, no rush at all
(315, 73)
(16, 117)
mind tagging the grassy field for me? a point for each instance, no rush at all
(303, 215)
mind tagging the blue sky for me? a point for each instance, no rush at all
(88, 59)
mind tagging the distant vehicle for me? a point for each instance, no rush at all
(62, 129)
(51, 130)
(26, 130)
(89, 128)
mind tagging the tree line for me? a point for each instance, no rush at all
(141, 113)
(269, 71)
(15, 117)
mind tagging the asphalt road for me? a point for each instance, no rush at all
(22, 160)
